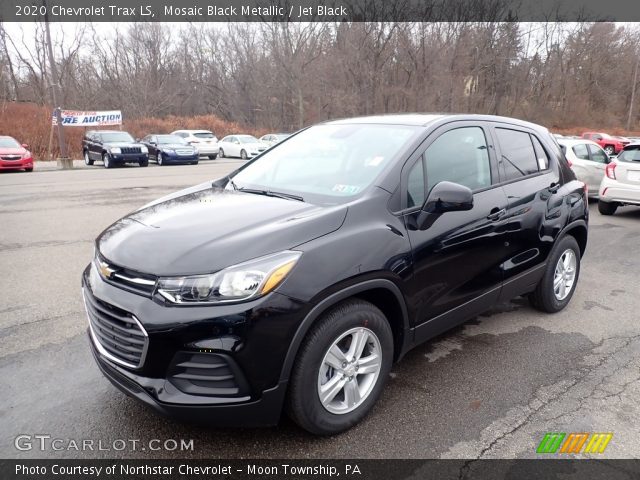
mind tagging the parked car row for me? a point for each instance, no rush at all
(114, 147)
(614, 181)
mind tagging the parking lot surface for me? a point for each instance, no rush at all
(489, 389)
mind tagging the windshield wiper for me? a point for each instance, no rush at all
(271, 193)
(232, 183)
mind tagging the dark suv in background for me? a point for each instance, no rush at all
(297, 280)
(113, 147)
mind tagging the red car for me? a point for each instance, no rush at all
(611, 145)
(14, 156)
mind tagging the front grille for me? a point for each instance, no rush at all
(183, 151)
(11, 157)
(131, 150)
(207, 374)
(118, 334)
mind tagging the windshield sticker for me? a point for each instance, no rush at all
(373, 161)
(347, 189)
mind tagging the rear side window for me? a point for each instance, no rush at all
(541, 154)
(581, 151)
(518, 155)
(459, 156)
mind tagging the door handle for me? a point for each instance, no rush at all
(496, 214)
(554, 187)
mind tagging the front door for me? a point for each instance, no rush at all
(457, 256)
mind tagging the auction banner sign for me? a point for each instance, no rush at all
(76, 118)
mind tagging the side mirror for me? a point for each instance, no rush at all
(25, 146)
(444, 197)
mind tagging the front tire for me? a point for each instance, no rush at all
(159, 159)
(341, 368)
(607, 208)
(106, 159)
(555, 289)
(610, 150)
(144, 163)
(87, 160)
(212, 157)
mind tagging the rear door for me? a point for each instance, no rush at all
(531, 181)
(581, 163)
(95, 147)
(598, 162)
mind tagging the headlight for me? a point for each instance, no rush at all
(115, 150)
(169, 150)
(144, 149)
(239, 282)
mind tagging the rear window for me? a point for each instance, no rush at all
(204, 135)
(518, 154)
(630, 155)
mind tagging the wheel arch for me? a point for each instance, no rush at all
(579, 231)
(382, 293)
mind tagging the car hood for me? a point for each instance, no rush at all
(254, 145)
(205, 229)
(122, 144)
(12, 151)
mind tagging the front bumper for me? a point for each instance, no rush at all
(16, 164)
(180, 158)
(252, 337)
(129, 157)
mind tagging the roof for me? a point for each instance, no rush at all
(424, 119)
(574, 141)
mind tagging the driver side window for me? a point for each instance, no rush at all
(459, 156)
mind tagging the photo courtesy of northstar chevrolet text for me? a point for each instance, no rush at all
(298, 239)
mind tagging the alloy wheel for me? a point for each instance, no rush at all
(565, 274)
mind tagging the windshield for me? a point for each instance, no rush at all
(204, 135)
(247, 139)
(327, 161)
(282, 136)
(164, 139)
(8, 143)
(630, 155)
(114, 137)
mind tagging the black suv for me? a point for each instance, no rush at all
(297, 280)
(113, 147)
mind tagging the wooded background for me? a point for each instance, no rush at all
(282, 76)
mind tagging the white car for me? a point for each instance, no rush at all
(621, 183)
(243, 146)
(204, 140)
(272, 138)
(588, 161)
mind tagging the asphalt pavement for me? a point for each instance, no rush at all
(489, 389)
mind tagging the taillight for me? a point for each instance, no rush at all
(610, 171)
(569, 162)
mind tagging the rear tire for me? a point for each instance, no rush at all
(221, 153)
(607, 208)
(555, 289)
(106, 159)
(243, 155)
(212, 157)
(610, 150)
(356, 390)
(87, 160)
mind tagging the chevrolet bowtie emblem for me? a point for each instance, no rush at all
(105, 269)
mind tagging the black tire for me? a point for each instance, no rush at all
(144, 163)
(159, 159)
(194, 163)
(543, 297)
(30, 169)
(106, 160)
(610, 150)
(212, 157)
(87, 160)
(303, 402)
(221, 153)
(243, 155)
(607, 208)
